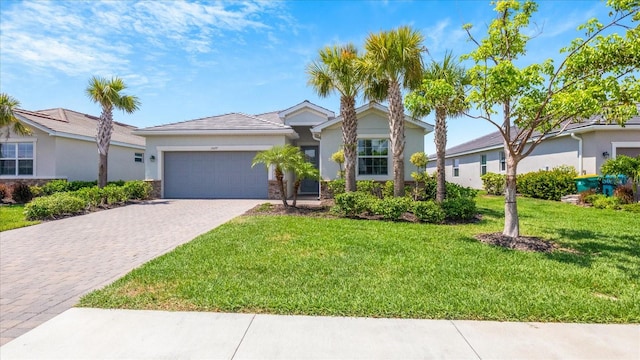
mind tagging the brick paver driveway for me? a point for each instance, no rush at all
(45, 269)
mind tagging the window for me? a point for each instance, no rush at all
(138, 157)
(483, 164)
(503, 161)
(456, 167)
(16, 159)
(373, 156)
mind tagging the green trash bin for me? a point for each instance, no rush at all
(611, 182)
(587, 182)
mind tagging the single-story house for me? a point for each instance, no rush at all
(585, 146)
(211, 157)
(62, 145)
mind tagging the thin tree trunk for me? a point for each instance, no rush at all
(296, 188)
(103, 140)
(350, 140)
(441, 145)
(283, 193)
(511, 219)
(102, 170)
(396, 126)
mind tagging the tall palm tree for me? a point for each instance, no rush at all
(107, 93)
(443, 90)
(283, 159)
(337, 70)
(7, 117)
(393, 61)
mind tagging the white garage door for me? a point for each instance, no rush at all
(213, 175)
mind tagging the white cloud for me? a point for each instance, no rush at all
(80, 38)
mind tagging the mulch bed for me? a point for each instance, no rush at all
(523, 243)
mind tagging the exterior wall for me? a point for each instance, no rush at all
(78, 160)
(549, 154)
(371, 124)
(305, 117)
(44, 152)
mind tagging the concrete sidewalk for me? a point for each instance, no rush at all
(131, 334)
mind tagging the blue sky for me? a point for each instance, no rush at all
(186, 60)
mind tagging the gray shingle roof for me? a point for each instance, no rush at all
(495, 139)
(75, 123)
(231, 121)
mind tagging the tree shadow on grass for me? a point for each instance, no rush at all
(582, 247)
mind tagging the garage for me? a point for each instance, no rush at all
(213, 175)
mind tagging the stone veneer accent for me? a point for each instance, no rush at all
(274, 190)
(157, 188)
(31, 182)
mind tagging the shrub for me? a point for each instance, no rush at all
(77, 185)
(392, 208)
(93, 196)
(387, 189)
(604, 202)
(548, 185)
(428, 211)
(462, 208)
(137, 190)
(114, 194)
(56, 205)
(353, 203)
(36, 191)
(21, 193)
(4, 191)
(493, 183)
(624, 194)
(55, 186)
(369, 187)
(587, 197)
(336, 187)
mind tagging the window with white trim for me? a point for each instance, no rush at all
(503, 161)
(456, 167)
(373, 157)
(16, 159)
(483, 164)
(138, 157)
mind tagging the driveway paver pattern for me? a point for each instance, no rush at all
(46, 268)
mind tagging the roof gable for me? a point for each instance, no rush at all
(309, 106)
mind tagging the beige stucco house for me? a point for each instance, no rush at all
(62, 146)
(211, 157)
(585, 146)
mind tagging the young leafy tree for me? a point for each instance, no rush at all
(338, 158)
(443, 90)
(624, 165)
(303, 169)
(8, 119)
(107, 93)
(594, 77)
(393, 61)
(337, 70)
(283, 158)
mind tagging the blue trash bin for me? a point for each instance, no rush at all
(611, 182)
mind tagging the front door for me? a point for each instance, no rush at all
(309, 186)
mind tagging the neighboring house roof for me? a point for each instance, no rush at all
(494, 139)
(307, 104)
(232, 123)
(72, 124)
(369, 106)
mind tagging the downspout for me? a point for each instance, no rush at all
(575, 137)
(316, 136)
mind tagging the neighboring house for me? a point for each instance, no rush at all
(211, 157)
(63, 146)
(585, 146)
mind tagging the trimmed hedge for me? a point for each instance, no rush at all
(53, 206)
(494, 183)
(548, 185)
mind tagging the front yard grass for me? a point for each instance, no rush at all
(12, 217)
(342, 267)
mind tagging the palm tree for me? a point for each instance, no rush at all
(107, 93)
(303, 169)
(393, 60)
(7, 117)
(337, 70)
(442, 90)
(283, 159)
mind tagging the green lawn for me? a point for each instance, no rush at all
(12, 217)
(319, 266)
